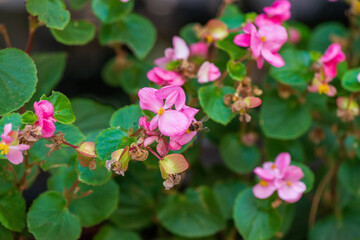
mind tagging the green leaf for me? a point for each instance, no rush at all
(109, 11)
(232, 16)
(324, 33)
(188, 33)
(173, 65)
(5, 234)
(49, 217)
(77, 32)
(17, 79)
(236, 70)
(309, 177)
(253, 221)
(228, 45)
(237, 157)
(62, 106)
(52, 12)
(348, 177)
(29, 117)
(127, 117)
(226, 193)
(350, 82)
(345, 227)
(90, 115)
(194, 214)
(108, 232)
(13, 118)
(73, 134)
(296, 70)
(50, 67)
(133, 30)
(78, 4)
(108, 141)
(284, 119)
(275, 147)
(12, 211)
(211, 100)
(98, 176)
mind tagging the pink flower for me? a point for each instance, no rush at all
(124, 1)
(264, 43)
(208, 72)
(280, 177)
(45, 111)
(333, 55)
(180, 52)
(322, 85)
(358, 77)
(275, 14)
(294, 35)
(170, 122)
(10, 146)
(199, 49)
(164, 78)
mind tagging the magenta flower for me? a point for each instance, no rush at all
(170, 122)
(281, 177)
(333, 56)
(10, 146)
(264, 43)
(322, 86)
(44, 110)
(275, 14)
(199, 49)
(208, 72)
(180, 52)
(164, 78)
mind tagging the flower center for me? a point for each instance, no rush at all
(323, 88)
(161, 111)
(209, 39)
(263, 38)
(188, 131)
(273, 167)
(289, 183)
(4, 149)
(264, 183)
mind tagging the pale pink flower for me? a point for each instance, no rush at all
(124, 1)
(10, 146)
(291, 189)
(170, 122)
(322, 86)
(199, 49)
(180, 51)
(44, 110)
(275, 14)
(358, 77)
(164, 78)
(264, 43)
(333, 56)
(208, 72)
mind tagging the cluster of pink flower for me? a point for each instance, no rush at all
(168, 122)
(326, 71)
(181, 52)
(266, 40)
(280, 176)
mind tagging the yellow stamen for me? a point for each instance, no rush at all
(161, 111)
(188, 131)
(264, 183)
(323, 88)
(273, 166)
(289, 183)
(4, 149)
(209, 39)
(263, 39)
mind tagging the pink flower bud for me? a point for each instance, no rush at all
(44, 110)
(199, 49)
(164, 78)
(208, 72)
(86, 153)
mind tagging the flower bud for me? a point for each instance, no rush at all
(171, 167)
(86, 153)
(119, 161)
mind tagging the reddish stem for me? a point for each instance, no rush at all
(154, 153)
(69, 144)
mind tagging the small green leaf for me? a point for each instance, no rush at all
(108, 232)
(127, 117)
(49, 216)
(29, 117)
(17, 79)
(350, 81)
(108, 141)
(237, 157)
(98, 176)
(173, 65)
(187, 32)
(236, 70)
(252, 221)
(211, 100)
(62, 106)
(232, 16)
(109, 11)
(52, 12)
(76, 33)
(12, 211)
(133, 30)
(228, 45)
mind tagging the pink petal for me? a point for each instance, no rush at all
(183, 139)
(162, 148)
(313, 88)
(6, 135)
(173, 95)
(148, 99)
(162, 62)
(199, 49)
(262, 192)
(260, 62)
(242, 40)
(48, 127)
(282, 161)
(291, 193)
(190, 112)
(330, 70)
(181, 49)
(264, 174)
(293, 174)
(154, 122)
(249, 28)
(332, 91)
(172, 123)
(174, 145)
(253, 101)
(149, 140)
(275, 37)
(15, 155)
(273, 58)
(280, 9)
(174, 163)
(262, 20)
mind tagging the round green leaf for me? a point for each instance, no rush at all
(12, 211)
(78, 32)
(296, 70)
(253, 221)
(108, 232)
(232, 16)
(187, 33)
(52, 12)
(98, 176)
(349, 175)
(133, 30)
(350, 82)
(17, 79)
(109, 141)
(236, 70)
(211, 100)
(237, 157)
(275, 147)
(49, 217)
(127, 117)
(109, 11)
(228, 45)
(62, 106)
(284, 119)
(195, 214)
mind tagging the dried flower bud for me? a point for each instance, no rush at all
(57, 139)
(249, 139)
(30, 134)
(228, 99)
(245, 117)
(172, 180)
(137, 153)
(119, 161)
(92, 164)
(317, 135)
(86, 153)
